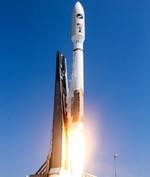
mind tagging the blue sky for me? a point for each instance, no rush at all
(117, 83)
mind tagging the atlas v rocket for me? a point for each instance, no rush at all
(77, 81)
(68, 113)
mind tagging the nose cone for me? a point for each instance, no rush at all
(78, 23)
(78, 8)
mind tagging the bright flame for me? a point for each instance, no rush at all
(78, 151)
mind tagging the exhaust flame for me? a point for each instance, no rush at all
(78, 151)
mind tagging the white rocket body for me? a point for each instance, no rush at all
(77, 81)
(77, 91)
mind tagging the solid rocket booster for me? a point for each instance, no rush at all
(77, 82)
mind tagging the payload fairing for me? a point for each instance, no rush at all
(66, 156)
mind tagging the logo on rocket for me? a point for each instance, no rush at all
(80, 16)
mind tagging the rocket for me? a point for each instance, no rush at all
(66, 155)
(77, 91)
(77, 81)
